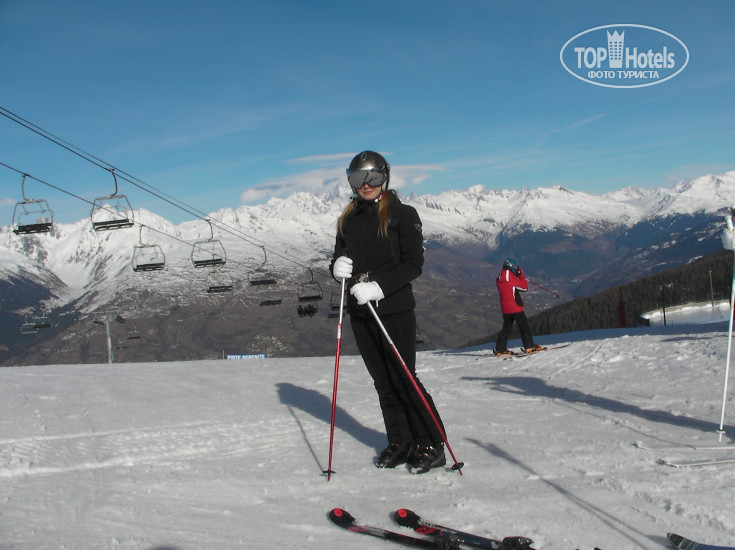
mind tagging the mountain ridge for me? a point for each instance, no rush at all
(565, 237)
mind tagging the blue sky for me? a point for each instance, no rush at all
(222, 103)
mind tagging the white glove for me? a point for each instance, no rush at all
(342, 268)
(367, 292)
(728, 234)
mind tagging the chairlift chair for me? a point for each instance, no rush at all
(310, 291)
(309, 310)
(261, 276)
(219, 287)
(265, 280)
(31, 215)
(208, 253)
(219, 281)
(334, 303)
(41, 321)
(419, 336)
(133, 333)
(147, 257)
(33, 323)
(28, 326)
(112, 212)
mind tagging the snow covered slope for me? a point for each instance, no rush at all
(561, 446)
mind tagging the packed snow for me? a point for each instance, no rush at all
(562, 446)
(690, 314)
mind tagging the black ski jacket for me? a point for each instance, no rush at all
(392, 262)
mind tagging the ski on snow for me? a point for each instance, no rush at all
(677, 541)
(694, 463)
(523, 353)
(683, 447)
(410, 519)
(432, 536)
(439, 537)
(545, 348)
(342, 518)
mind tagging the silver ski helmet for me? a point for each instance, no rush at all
(368, 167)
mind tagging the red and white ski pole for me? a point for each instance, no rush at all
(457, 465)
(329, 470)
(544, 288)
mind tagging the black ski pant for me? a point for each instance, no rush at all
(522, 322)
(406, 418)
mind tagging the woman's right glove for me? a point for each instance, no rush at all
(342, 268)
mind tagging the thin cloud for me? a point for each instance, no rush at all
(583, 122)
(412, 175)
(323, 180)
(312, 181)
(572, 126)
(691, 171)
(207, 127)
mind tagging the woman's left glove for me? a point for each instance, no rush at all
(367, 292)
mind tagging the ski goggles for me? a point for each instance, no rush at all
(358, 178)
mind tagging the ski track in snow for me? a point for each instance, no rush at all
(561, 446)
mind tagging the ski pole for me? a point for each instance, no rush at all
(329, 470)
(721, 431)
(544, 288)
(457, 465)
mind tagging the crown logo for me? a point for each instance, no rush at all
(615, 49)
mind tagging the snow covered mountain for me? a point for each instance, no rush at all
(567, 239)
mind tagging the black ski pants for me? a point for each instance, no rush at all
(522, 322)
(406, 418)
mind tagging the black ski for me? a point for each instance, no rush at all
(410, 519)
(677, 541)
(342, 518)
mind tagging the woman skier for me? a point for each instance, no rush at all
(379, 251)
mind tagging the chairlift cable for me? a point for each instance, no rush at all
(99, 162)
(48, 135)
(60, 189)
(141, 185)
(87, 200)
(145, 186)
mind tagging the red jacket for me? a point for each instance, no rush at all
(510, 287)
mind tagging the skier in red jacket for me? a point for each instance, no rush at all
(511, 283)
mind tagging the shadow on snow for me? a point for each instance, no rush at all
(320, 407)
(536, 387)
